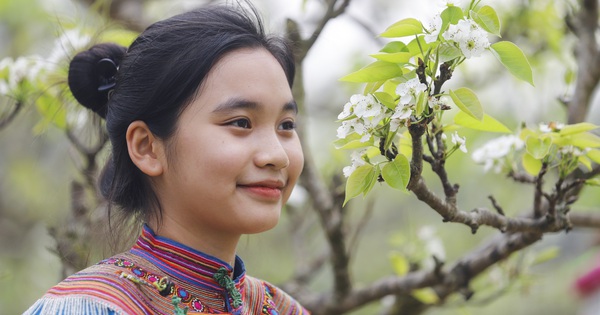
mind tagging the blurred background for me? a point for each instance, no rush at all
(38, 163)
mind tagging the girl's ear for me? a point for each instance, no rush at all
(145, 150)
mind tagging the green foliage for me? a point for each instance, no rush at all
(361, 181)
(399, 91)
(397, 172)
(514, 60)
(377, 71)
(561, 146)
(402, 28)
(488, 19)
(488, 123)
(466, 100)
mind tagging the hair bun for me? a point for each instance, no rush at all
(92, 75)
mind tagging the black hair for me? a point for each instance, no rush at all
(155, 79)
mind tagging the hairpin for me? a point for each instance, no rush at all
(107, 71)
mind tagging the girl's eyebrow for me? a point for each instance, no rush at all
(234, 104)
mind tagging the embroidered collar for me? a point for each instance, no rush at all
(186, 264)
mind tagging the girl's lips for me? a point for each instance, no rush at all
(263, 192)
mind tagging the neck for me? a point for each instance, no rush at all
(208, 242)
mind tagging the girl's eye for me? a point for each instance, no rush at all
(288, 125)
(241, 123)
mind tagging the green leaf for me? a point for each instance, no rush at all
(594, 155)
(577, 128)
(580, 140)
(488, 123)
(487, 18)
(372, 87)
(400, 264)
(397, 172)
(376, 71)
(349, 143)
(448, 52)
(386, 99)
(406, 27)
(359, 181)
(426, 295)
(398, 57)
(415, 46)
(546, 255)
(585, 162)
(514, 60)
(467, 101)
(450, 15)
(394, 47)
(531, 164)
(421, 102)
(538, 147)
(593, 182)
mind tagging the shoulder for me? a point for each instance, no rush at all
(99, 289)
(280, 302)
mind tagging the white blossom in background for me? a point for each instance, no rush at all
(34, 67)
(492, 155)
(357, 161)
(65, 47)
(409, 91)
(433, 245)
(551, 127)
(461, 142)
(574, 151)
(470, 37)
(17, 71)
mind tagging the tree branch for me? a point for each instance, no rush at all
(585, 25)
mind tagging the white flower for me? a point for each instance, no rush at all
(348, 109)
(400, 116)
(345, 129)
(571, 150)
(492, 154)
(459, 141)
(409, 90)
(433, 27)
(365, 105)
(551, 126)
(357, 161)
(471, 39)
(23, 68)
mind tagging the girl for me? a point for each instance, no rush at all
(201, 119)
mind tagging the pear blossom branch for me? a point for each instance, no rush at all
(445, 282)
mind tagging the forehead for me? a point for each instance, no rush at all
(248, 71)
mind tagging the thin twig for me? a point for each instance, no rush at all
(11, 116)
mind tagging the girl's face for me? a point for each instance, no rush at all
(235, 156)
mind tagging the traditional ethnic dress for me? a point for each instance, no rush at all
(161, 276)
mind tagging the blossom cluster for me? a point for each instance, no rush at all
(470, 38)
(13, 72)
(495, 153)
(365, 116)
